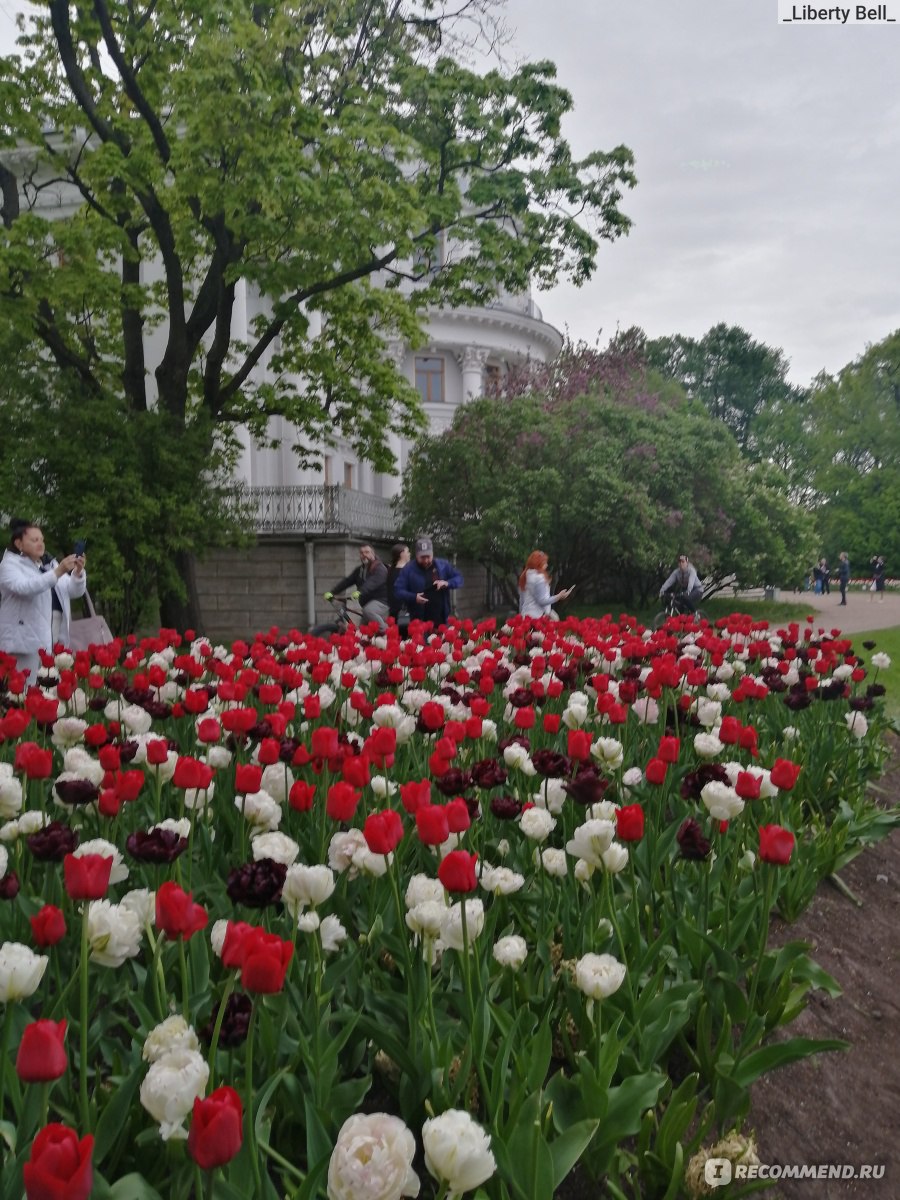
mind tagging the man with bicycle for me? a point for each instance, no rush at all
(369, 583)
(686, 583)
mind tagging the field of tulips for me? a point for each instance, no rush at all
(458, 915)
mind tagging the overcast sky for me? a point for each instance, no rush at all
(768, 160)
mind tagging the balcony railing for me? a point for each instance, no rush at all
(315, 509)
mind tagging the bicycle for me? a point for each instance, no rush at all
(344, 617)
(676, 605)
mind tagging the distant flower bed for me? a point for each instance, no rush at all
(366, 919)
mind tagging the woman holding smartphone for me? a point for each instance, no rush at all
(29, 580)
(535, 598)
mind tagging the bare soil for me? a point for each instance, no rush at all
(844, 1108)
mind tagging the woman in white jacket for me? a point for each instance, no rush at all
(26, 604)
(535, 599)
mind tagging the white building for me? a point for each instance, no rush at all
(330, 509)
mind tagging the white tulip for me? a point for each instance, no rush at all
(170, 1088)
(599, 975)
(21, 971)
(457, 1152)
(372, 1160)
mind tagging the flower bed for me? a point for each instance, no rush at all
(369, 918)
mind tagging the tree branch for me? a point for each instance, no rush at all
(130, 83)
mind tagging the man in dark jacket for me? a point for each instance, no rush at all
(369, 584)
(426, 582)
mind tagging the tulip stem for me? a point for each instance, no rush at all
(185, 989)
(217, 1029)
(83, 1029)
(4, 1042)
(251, 1120)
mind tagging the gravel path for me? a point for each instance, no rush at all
(863, 611)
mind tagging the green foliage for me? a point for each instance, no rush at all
(841, 448)
(736, 378)
(138, 500)
(319, 155)
(612, 480)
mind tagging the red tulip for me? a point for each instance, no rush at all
(341, 802)
(458, 815)
(176, 914)
(457, 871)
(383, 831)
(42, 1053)
(431, 824)
(301, 796)
(432, 715)
(415, 794)
(630, 823)
(157, 752)
(784, 773)
(48, 926)
(656, 771)
(748, 785)
(87, 876)
(265, 961)
(247, 778)
(233, 945)
(191, 773)
(669, 748)
(216, 1128)
(33, 761)
(60, 1165)
(776, 844)
(578, 745)
(324, 742)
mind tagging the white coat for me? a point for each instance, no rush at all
(536, 600)
(26, 609)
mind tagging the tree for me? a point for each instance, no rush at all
(318, 152)
(612, 479)
(851, 452)
(736, 378)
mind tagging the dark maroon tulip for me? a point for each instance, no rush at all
(76, 791)
(488, 773)
(695, 781)
(692, 843)
(505, 808)
(587, 787)
(551, 764)
(53, 842)
(157, 846)
(454, 782)
(257, 884)
(9, 886)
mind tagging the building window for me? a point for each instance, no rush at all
(326, 469)
(348, 475)
(492, 379)
(430, 380)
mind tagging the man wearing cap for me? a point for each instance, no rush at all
(425, 583)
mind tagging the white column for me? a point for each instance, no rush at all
(472, 360)
(396, 354)
(243, 467)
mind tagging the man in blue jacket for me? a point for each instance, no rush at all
(425, 583)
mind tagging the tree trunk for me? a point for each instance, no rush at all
(183, 612)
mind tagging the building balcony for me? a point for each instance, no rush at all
(314, 510)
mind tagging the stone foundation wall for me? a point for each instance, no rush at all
(244, 591)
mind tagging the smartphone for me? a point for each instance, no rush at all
(80, 547)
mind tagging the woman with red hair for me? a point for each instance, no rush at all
(535, 599)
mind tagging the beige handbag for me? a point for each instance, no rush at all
(88, 631)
